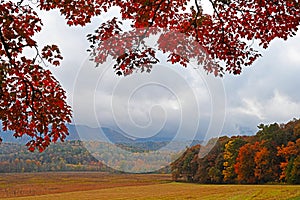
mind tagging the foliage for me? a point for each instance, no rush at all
(192, 167)
(135, 157)
(272, 155)
(33, 102)
(291, 165)
(186, 165)
(230, 154)
(226, 36)
(87, 156)
(244, 166)
(68, 156)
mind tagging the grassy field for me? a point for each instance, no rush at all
(44, 186)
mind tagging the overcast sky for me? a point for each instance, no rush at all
(173, 98)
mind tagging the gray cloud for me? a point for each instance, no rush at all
(267, 91)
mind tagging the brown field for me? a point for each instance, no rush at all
(93, 185)
(30, 184)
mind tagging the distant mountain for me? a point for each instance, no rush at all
(82, 132)
(7, 136)
(112, 135)
(104, 134)
(76, 132)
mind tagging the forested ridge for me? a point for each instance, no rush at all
(68, 156)
(78, 155)
(270, 156)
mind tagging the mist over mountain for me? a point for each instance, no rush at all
(115, 135)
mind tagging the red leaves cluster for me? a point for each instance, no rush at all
(157, 13)
(235, 22)
(52, 54)
(136, 59)
(226, 36)
(17, 25)
(32, 101)
(77, 12)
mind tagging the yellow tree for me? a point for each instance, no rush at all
(230, 155)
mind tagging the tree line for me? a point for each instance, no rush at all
(270, 156)
(78, 155)
(68, 156)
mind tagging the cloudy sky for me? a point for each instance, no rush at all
(172, 98)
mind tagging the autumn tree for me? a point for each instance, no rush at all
(291, 166)
(230, 154)
(32, 100)
(211, 164)
(276, 134)
(256, 163)
(215, 175)
(266, 163)
(245, 164)
(214, 160)
(186, 165)
(193, 166)
(293, 129)
(271, 137)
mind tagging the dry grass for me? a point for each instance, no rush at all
(106, 186)
(30, 184)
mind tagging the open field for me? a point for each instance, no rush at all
(91, 185)
(29, 184)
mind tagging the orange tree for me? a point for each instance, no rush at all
(32, 100)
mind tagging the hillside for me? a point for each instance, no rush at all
(78, 155)
(68, 156)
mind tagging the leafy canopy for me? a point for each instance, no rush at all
(33, 102)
